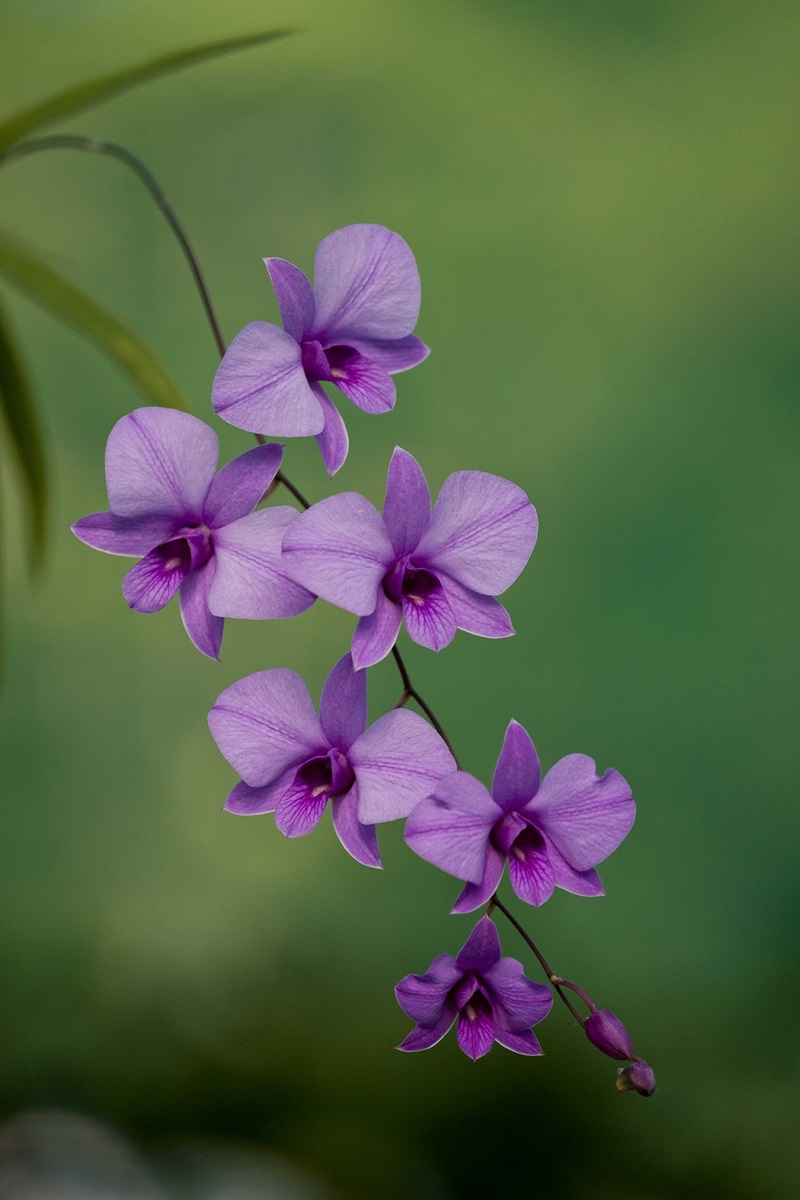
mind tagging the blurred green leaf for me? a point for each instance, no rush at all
(22, 424)
(64, 300)
(83, 95)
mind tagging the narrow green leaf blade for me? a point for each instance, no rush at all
(24, 434)
(55, 293)
(83, 95)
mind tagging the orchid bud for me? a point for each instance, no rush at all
(637, 1077)
(607, 1032)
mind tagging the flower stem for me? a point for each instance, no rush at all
(548, 970)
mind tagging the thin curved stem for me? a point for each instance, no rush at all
(548, 970)
(71, 141)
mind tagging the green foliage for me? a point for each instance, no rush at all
(23, 431)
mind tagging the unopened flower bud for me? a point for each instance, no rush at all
(608, 1033)
(638, 1077)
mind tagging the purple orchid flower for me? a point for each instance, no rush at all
(352, 329)
(293, 763)
(440, 571)
(197, 531)
(492, 998)
(553, 834)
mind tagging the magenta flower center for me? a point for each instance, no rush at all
(328, 776)
(406, 581)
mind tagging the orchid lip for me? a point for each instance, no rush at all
(410, 581)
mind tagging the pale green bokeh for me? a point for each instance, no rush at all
(602, 199)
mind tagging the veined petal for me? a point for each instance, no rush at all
(474, 613)
(452, 827)
(343, 705)
(150, 585)
(525, 1042)
(340, 550)
(481, 949)
(300, 808)
(125, 535)
(397, 761)
(376, 633)
(359, 840)
(160, 461)
(428, 616)
(248, 801)
(475, 895)
(423, 997)
(238, 487)
(530, 869)
(251, 581)
(400, 354)
(580, 883)
(368, 385)
(204, 629)
(584, 815)
(366, 284)
(261, 386)
(333, 441)
(476, 1028)
(266, 723)
(517, 774)
(482, 531)
(424, 1036)
(294, 294)
(407, 507)
(518, 1001)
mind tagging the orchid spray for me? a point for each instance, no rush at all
(201, 533)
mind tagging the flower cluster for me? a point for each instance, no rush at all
(436, 568)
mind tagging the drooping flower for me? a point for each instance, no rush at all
(552, 833)
(440, 570)
(195, 531)
(490, 996)
(294, 763)
(352, 329)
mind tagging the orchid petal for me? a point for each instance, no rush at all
(407, 507)
(266, 723)
(359, 840)
(429, 618)
(584, 815)
(580, 883)
(474, 895)
(238, 487)
(125, 535)
(366, 284)
(251, 581)
(340, 550)
(397, 761)
(530, 870)
(474, 613)
(159, 462)
(525, 1042)
(369, 386)
(376, 633)
(481, 949)
(150, 585)
(343, 705)
(482, 531)
(300, 808)
(294, 294)
(248, 801)
(476, 1030)
(333, 441)
(423, 1037)
(423, 997)
(204, 629)
(261, 386)
(451, 828)
(398, 355)
(517, 774)
(518, 1002)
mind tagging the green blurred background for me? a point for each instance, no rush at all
(602, 199)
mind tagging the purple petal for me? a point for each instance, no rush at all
(261, 386)
(125, 535)
(580, 883)
(366, 284)
(295, 296)
(475, 613)
(340, 550)
(481, 949)
(473, 895)
(476, 1030)
(423, 1037)
(482, 531)
(451, 828)
(300, 808)
(204, 629)
(530, 870)
(155, 579)
(369, 386)
(333, 441)
(518, 1001)
(248, 801)
(397, 761)
(266, 723)
(251, 581)
(238, 487)
(343, 705)
(517, 774)
(407, 507)
(521, 1043)
(428, 616)
(397, 355)
(160, 461)
(359, 840)
(423, 997)
(376, 633)
(585, 816)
